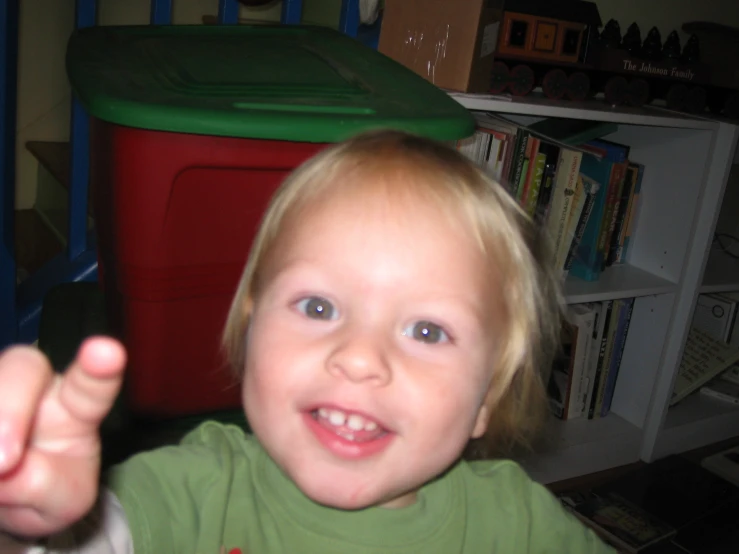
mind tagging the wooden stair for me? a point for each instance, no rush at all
(35, 242)
(54, 156)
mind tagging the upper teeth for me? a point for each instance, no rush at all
(355, 422)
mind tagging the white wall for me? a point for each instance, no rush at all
(43, 92)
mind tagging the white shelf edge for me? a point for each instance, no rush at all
(537, 105)
(721, 273)
(581, 446)
(695, 422)
(618, 281)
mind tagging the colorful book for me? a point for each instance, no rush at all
(588, 261)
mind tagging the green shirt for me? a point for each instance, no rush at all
(219, 492)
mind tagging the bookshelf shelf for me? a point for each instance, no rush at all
(721, 273)
(695, 421)
(622, 281)
(595, 109)
(687, 162)
(581, 446)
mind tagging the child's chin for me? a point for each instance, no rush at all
(346, 499)
(341, 501)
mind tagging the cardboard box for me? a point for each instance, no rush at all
(450, 43)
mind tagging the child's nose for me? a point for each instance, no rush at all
(361, 358)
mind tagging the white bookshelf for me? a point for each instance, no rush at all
(568, 450)
(697, 419)
(617, 282)
(687, 161)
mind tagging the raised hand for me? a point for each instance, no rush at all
(49, 440)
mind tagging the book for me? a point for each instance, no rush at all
(599, 311)
(704, 357)
(632, 212)
(588, 261)
(632, 174)
(590, 189)
(622, 332)
(563, 189)
(583, 316)
(620, 522)
(560, 384)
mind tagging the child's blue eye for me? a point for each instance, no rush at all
(427, 332)
(316, 307)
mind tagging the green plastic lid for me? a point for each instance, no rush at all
(296, 83)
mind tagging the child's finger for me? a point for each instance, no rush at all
(25, 374)
(92, 381)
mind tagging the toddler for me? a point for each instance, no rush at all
(391, 325)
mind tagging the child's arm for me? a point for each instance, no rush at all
(49, 443)
(103, 531)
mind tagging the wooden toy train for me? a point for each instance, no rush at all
(557, 45)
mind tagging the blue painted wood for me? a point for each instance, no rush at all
(8, 79)
(228, 12)
(86, 15)
(79, 181)
(161, 12)
(349, 20)
(80, 260)
(292, 12)
(32, 291)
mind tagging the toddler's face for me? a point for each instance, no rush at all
(369, 347)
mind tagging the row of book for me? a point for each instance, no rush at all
(583, 377)
(583, 190)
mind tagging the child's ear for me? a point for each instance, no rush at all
(481, 422)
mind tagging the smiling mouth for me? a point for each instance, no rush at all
(349, 426)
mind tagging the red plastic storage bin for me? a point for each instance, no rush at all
(175, 216)
(192, 129)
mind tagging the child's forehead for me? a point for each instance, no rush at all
(392, 188)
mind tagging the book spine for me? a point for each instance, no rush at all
(587, 209)
(618, 351)
(631, 213)
(606, 314)
(620, 217)
(613, 197)
(519, 156)
(547, 184)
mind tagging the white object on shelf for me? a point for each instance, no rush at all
(715, 315)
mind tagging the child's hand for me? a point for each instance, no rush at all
(49, 442)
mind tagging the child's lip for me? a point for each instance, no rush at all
(345, 447)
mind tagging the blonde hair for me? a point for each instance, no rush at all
(529, 291)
